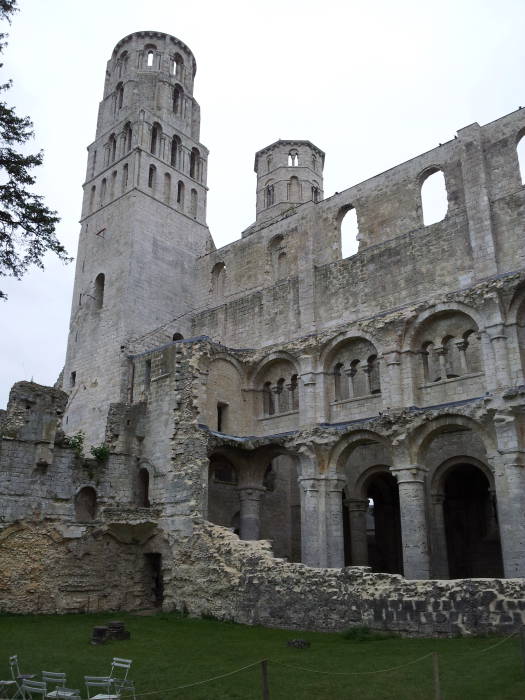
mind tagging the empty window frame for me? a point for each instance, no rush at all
(349, 230)
(100, 283)
(195, 158)
(180, 194)
(156, 133)
(434, 200)
(520, 149)
(152, 175)
(176, 152)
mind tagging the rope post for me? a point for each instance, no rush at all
(437, 684)
(264, 680)
(522, 637)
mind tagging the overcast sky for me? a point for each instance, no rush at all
(372, 83)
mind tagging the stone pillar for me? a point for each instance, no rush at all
(250, 516)
(308, 395)
(509, 476)
(357, 510)
(439, 538)
(334, 523)
(498, 341)
(311, 553)
(414, 534)
(394, 396)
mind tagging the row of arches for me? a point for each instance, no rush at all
(107, 193)
(296, 191)
(179, 157)
(168, 195)
(366, 505)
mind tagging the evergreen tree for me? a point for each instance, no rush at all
(27, 226)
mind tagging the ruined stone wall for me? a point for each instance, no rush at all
(216, 574)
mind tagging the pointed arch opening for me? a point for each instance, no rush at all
(349, 231)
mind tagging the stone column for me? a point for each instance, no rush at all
(250, 516)
(414, 534)
(308, 393)
(393, 366)
(439, 538)
(357, 510)
(509, 476)
(334, 523)
(311, 550)
(498, 341)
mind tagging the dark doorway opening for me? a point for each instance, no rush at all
(385, 552)
(154, 572)
(143, 488)
(471, 525)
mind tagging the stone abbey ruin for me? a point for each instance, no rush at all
(282, 436)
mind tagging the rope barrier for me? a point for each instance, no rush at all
(191, 685)
(493, 646)
(353, 673)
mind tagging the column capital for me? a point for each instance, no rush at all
(409, 473)
(356, 504)
(250, 493)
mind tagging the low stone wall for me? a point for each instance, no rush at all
(217, 574)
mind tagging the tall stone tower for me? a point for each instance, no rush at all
(288, 173)
(143, 221)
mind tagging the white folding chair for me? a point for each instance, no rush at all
(118, 677)
(98, 682)
(32, 689)
(17, 676)
(58, 680)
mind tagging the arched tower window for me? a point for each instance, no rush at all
(100, 282)
(86, 504)
(92, 198)
(180, 194)
(178, 66)
(269, 195)
(156, 132)
(124, 177)
(195, 163)
(218, 274)
(150, 58)
(178, 95)
(268, 402)
(434, 197)
(167, 188)
(152, 173)
(177, 336)
(316, 193)
(112, 148)
(293, 158)
(103, 186)
(119, 96)
(194, 203)
(294, 393)
(176, 145)
(127, 137)
(122, 63)
(294, 189)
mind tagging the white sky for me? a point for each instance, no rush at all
(372, 83)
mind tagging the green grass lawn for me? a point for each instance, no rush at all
(169, 651)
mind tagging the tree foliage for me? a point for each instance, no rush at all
(27, 226)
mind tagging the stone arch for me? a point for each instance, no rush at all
(218, 278)
(275, 383)
(85, 504)
(351, 364)
(422, 436)
(347, 222)
(277, 254)
(225, 407)
(259, 368)
(342, 450)
(223, 499)
(439, 474)
(414, 326)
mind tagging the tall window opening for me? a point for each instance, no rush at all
(349, 232)
(143, 488)
(520, 148)
(94, 163)
(103, 186)
(167, 188)
(194, 202)
(434, 197)
(217, 279)
(92, 198)
(294, 189)
(180, 194)
(113, 183)
(177, 100)
(124, 177)
(175, 152)
(178, 66)
(112, 147)
(316, 193)
(222, 414)
(293, 159)
(86, 504)
(127, 137)
(149, 59)
(269, 196)
(119, 95)
(151, 176)
(155, 138)
(195, 163)
(100, 282)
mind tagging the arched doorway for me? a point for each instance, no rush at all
(471, 526)
(383, 524)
